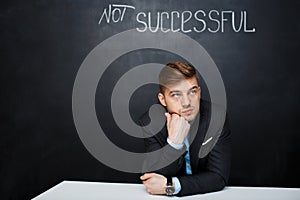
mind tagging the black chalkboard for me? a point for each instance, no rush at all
(43, 44)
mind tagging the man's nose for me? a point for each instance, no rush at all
(185, 101)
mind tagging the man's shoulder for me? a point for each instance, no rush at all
(156, 113)
(153, 121)
(205, 109)
(205, 104)
(144, 119)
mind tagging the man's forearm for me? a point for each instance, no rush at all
(201, 183)
(168, 156)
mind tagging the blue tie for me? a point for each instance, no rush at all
(187, 156)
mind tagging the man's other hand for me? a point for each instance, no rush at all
(155, 183)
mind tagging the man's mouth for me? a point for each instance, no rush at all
(187, 111)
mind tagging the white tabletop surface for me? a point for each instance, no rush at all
(74, 190)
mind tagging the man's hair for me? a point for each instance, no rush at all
(175, 72)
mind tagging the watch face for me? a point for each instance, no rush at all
(170, 190)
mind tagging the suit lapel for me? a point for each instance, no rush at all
(203, 122)
(196, 145)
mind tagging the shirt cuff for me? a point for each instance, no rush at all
(175, 146)
(176, 185)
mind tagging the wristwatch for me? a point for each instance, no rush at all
(170, 189)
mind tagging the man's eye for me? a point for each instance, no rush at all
(193, 91)
(175, 95)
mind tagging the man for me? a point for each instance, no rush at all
(180, 94)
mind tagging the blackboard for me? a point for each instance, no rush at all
(43, 44)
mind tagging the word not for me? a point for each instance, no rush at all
(115, 13)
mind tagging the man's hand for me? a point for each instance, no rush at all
(155, 183)
(178, 128)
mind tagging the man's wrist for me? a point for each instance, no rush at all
(177, 185)
(174, 145)
(170, 189)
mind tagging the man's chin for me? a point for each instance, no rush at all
(189, 118)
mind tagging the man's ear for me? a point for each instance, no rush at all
(200, 91)
(161, 98)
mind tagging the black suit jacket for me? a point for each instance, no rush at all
(210, 173)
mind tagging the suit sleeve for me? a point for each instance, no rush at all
(167, 154)
(152, 162)
(215, 175)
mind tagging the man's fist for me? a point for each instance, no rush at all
(178, 128)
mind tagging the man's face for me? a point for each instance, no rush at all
(182, 98)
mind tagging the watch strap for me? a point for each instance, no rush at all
(169, 181)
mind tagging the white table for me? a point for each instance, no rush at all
(74, 190)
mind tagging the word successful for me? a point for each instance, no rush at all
(198, 21)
